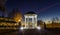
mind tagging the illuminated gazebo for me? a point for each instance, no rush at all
(30, 20)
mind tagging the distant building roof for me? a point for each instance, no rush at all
(30, 12)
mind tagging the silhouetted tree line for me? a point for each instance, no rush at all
(3, 9)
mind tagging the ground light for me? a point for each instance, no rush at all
(38, 27)
(21, 28)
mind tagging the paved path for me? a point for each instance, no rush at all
(32, 32)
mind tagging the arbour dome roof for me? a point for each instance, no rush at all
(30, 12)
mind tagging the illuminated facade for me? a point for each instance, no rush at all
(30, 20)
(5, 21)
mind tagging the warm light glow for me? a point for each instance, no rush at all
(18, 17)
(19, 20)
(48, 22)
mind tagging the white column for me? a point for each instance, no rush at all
(32, 19)
(25, 22)
(36, 21)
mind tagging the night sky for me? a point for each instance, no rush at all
(45, 9)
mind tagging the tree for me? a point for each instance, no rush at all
(15, 14)
(2, 6)
(39, 22)
(55, 19)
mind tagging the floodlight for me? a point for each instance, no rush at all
(38, 28)
(21, 28)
